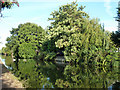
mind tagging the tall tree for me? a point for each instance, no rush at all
(64, 21)
(115, 36)
(80, 38)
(118, 13)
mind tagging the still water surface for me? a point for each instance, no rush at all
(39, 74)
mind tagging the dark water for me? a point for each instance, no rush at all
(38, 74)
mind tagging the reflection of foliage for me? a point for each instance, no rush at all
(38, 80)
(28, 71)
(84, 77)
(34, 78)
(48, 75)
(8, 60)
(51, 70)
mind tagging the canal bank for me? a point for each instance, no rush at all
(7, 79)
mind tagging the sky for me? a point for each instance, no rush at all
(38, 12)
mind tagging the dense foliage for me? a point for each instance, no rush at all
(84, 77)
(6, 51)
(25, 41)
(72, 34)
(116, 38)
(78, 37)
(116, 35)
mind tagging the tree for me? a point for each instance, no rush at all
(118, 14)
(3, 50)
(7, 4)
(115, 36)
(26, 40)
(6, 51)
(80, 38)
(64, 20)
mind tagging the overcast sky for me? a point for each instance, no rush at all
(38, 11)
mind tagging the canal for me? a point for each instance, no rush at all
(39, 74)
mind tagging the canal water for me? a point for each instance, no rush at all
(39, 74)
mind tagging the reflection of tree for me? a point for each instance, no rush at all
(48, 75)
(51, 70)
(84, 77)
(28, 72)
(37, 75)
(8, 60)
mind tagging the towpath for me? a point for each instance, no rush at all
(7, 79)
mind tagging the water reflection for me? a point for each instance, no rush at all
(87, 77)
(51, 75)
(37, 75)
(7, 61)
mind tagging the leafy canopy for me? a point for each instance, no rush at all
(26, 40)
(80, 38)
